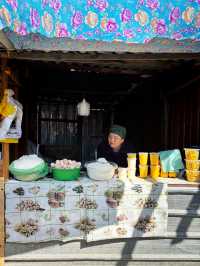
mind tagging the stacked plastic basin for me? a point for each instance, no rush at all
(192, 164)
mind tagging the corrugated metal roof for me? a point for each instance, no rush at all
(159, 45)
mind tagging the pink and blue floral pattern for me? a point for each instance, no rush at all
(127, 21)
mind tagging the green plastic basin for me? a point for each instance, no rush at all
(66, 174)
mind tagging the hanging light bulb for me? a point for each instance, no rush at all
(83, 108)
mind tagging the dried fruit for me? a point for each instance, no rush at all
(63, 219)
(63, 232)
(19, 191)
(147, 203)
(146, 224)
(121, 231)
(56, 199)
(29, 205)
(86, 225)
(87, 204)
(78, 189)
(27, 228)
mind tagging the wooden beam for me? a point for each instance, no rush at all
(96, 57)
(185, 85)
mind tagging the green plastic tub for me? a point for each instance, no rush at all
(66, 174)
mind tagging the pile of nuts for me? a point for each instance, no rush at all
(121, 231)
(28, 205)
(85, 225)
(78, 189)
(146, 224)
(19, 191)
(63, 219)
(63, 232)
(147, 203)
(86, 204)
(28, 228)
(56, 199)
(137, 188)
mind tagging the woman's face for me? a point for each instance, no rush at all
(115, 141)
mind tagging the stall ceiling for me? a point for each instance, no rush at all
(113, 75)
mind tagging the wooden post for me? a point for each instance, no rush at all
(6, 160)
(2, 222)
(5, 156)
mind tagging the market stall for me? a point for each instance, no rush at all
(122, 58)
(103, 204)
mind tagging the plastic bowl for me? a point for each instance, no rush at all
(100, 174)
(66, 174)
(33, 176)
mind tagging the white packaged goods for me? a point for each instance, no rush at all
(27, 162)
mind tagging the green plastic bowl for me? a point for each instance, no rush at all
(66, 174)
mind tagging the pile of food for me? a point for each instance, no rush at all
(27, 228)
(101, 169)
(29, 205)
(87, 204)
(65, 169)
(28, 168)
(66, 164)
(56, 198)
(147, 203)
(114, 196)
(86, 225)
(146, 224)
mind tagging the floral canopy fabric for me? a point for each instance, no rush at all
(127, 21)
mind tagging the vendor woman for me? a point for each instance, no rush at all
(115, 148)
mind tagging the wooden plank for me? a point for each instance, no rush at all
(1, 168)
(6, 41)
(189, 213)
(2, 222)
(184, 226)
(184, 202)
(6, 160)
(5, 146)
(147, 249)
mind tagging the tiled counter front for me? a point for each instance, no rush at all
(53, 210)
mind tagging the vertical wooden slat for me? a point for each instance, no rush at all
(6, 160)
(5, 152)
(2, 222)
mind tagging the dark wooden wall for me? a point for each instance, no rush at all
(184, 118)
(142, 114)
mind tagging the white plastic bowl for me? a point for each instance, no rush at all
(100, 171)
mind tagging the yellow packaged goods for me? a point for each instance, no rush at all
(131, 155)
(191, 154)
(192, 165)
(163, 174)
(155, 171)
(143, 170)
(192, 176)
(154, 158)
(172, 174)
(143, 157)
